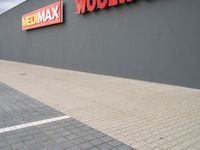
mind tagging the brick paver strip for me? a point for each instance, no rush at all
(68, 134)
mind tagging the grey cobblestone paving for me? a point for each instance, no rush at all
(18, 108)
(70, 134)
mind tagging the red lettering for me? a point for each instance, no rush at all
(91, 5)
(129, 1)
(122, 1)
(80, 6)
(113, 2)
(102, 3)
(125, 1)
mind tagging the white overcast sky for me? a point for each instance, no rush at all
(8, 4)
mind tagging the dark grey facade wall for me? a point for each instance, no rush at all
(156, 40)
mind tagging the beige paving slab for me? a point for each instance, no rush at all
(145, 115)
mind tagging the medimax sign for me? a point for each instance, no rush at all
(45, 16)
(53, 13)
(84, 6)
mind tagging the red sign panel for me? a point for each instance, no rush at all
(83, 6)
(45, 16)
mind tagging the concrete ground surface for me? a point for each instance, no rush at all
(144, 115)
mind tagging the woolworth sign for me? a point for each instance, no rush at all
(45, 16)
(84, 6)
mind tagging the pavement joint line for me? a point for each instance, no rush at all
(31, 124)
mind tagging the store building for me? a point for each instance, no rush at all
(151, 40)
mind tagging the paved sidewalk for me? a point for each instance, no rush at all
(144, 115)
